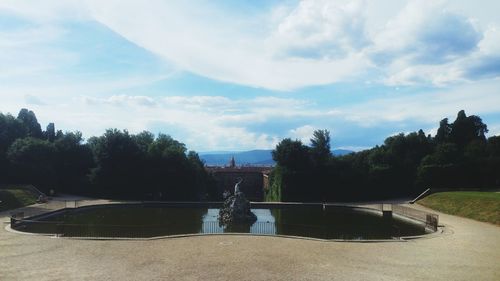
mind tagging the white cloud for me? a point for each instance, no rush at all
(430, 107)
(314, 42)
(321, 29)
(303, 133)
(288, 47)
(23, 51)
(48, 11)
(208, 103)
(121, 100)
(209, 123)
(425, 43)
(195, 39)
(426, 33)
(494, 130)
(33, 100)
(203, 122)
(415, 75)
(490, 45)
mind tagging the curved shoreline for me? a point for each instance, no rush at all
(465, 250)
(35, 219)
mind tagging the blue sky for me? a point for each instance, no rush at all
(238, 75)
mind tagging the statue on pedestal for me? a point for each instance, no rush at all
(236, 208)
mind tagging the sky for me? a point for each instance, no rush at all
(241, 75)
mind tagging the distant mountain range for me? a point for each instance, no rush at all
(251, 157)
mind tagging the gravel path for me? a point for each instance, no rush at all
(467, 250)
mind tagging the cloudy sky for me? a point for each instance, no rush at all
(238, 75)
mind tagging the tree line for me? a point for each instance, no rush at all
(115, 165)
(139, 166)
(459, 156)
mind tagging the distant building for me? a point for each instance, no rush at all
(255, 179)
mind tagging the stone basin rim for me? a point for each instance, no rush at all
(402, 239)
(255, 205)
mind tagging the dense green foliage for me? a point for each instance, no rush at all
(116, 164)
(459, 156)
(13, 197)
(482, 206)
(144, 166)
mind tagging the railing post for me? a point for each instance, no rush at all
(387, 211)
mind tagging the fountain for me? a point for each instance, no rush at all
(236, 209)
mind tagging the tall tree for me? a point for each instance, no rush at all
(291, 154)
(28, 118)
(144, 139)
(320, 147)
(73, 162)
(50, 132)
(466, 129)
(117, 158)
(34, 162)
(443, 132)
(10, 130)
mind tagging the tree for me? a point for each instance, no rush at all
(320, 147)
(10, 130)
(443, 132)
(166, 144)
(50, 133)
(320, 156)
(444, 154)
(144, 139)
(33, 160)
(169, 169)
(466, 129)
(441, 169)
(294, 165)
(493, 162)
(200, 175)
(31, 125)
(118, 160)
(494, 146)
(73, 162)
(291, 154)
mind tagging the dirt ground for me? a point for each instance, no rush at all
(467, 250)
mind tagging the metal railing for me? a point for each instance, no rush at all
(431, 220)
(34, 220)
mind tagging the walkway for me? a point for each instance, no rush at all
(468, 250)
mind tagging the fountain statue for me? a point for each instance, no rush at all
(236, 208)
(237, 186)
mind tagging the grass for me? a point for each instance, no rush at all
(13, 198)
(481, 206)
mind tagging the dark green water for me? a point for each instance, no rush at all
(151, 221)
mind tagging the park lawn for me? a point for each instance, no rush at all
(16, 198)
(481, 206)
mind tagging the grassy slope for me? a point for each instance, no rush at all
(15, 198)
(481, 206)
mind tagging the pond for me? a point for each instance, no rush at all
(144, 221)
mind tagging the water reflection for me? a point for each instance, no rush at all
(151, 221)
(265, 223)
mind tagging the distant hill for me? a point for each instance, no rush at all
(251, 157)
(341, 152)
